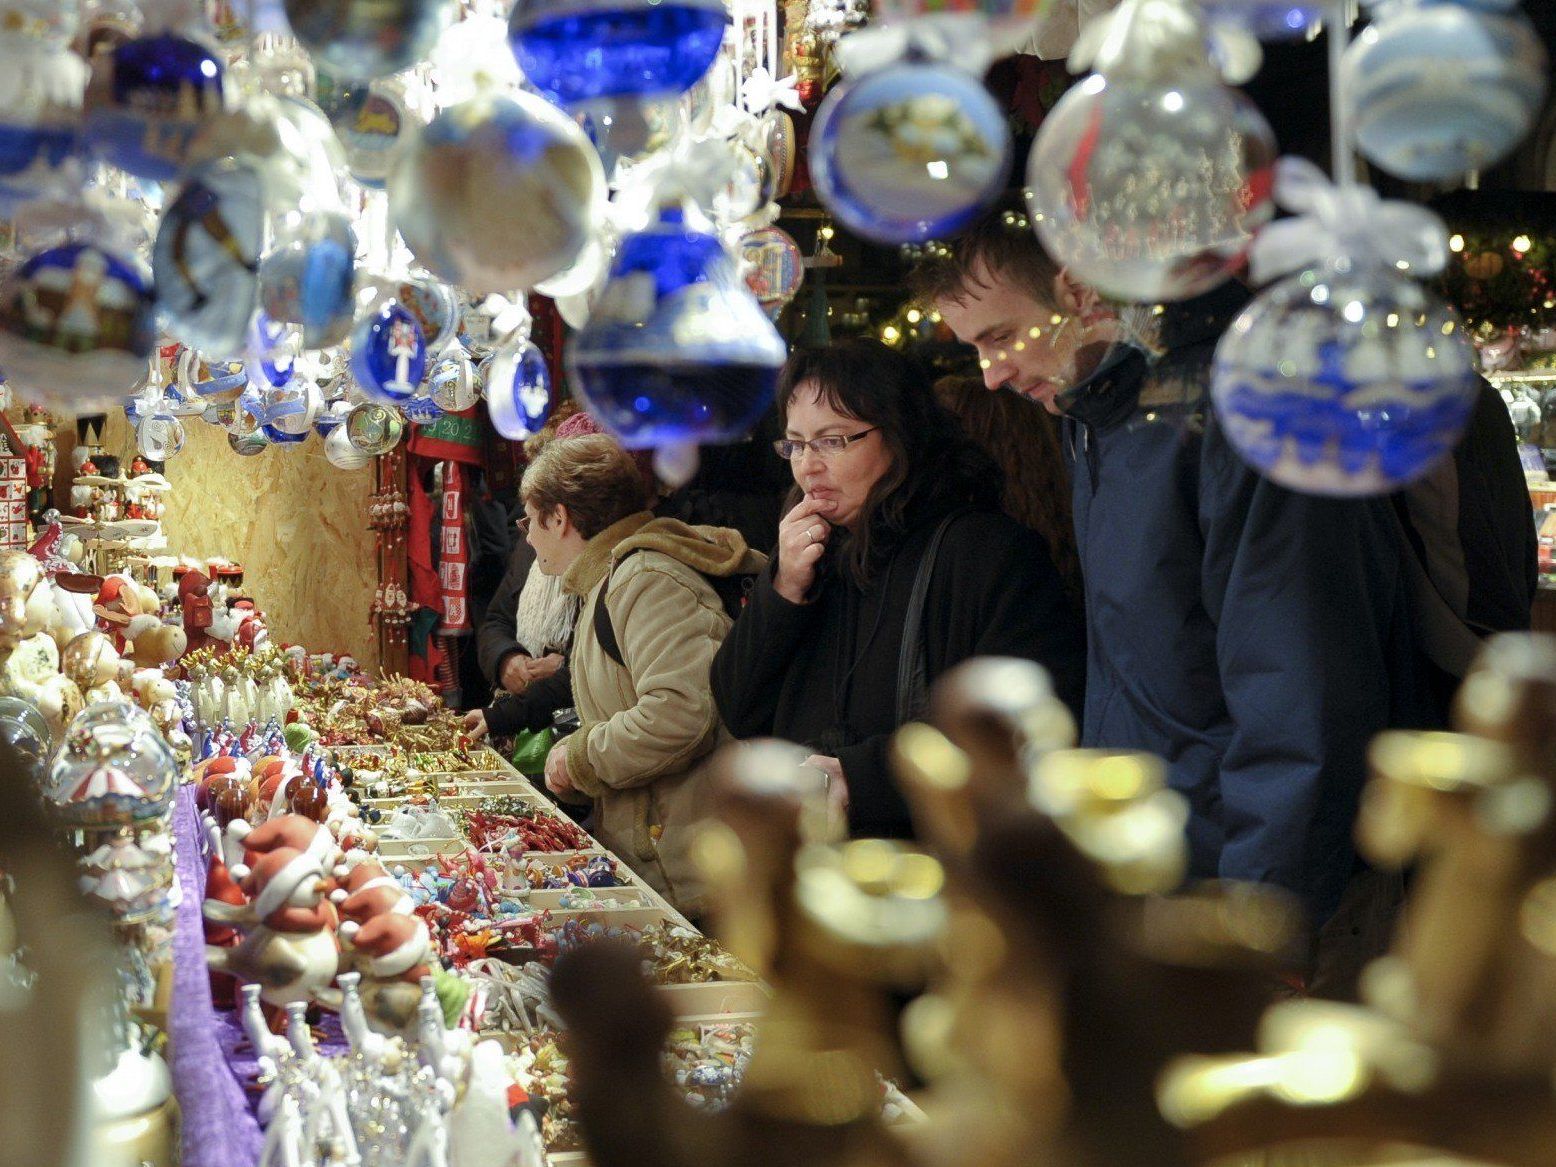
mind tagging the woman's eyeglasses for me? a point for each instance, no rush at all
(827, 447)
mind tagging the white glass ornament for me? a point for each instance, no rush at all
(518, 390)
(341, 453)
(1345, 382)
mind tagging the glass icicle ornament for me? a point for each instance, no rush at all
(1149, 178)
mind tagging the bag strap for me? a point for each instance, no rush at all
(604, 630)
(913, 660)
(1449, 642)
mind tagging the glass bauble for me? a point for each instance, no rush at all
(574, 52)
(76, 327)
(40, 116)
(306, 278)
(422, 410)
(159, 436)
(206, 258)
(497, 193)
(1271, 20)
(148, 99)
(435, 307)
(364, 39)
(915, 151)
(452, 382)
(1345, 382)
(373, 122)
(373, 428)
(1148, 190)
(1436, 90)
(677, 349)
(388, 354)
(27, 732)
(249, 444)
(113, 769)
(518, 391)
(340, 451)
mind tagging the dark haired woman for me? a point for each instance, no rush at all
(888, 489)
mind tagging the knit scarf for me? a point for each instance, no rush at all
(546, 614)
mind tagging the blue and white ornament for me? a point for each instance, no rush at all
(77, 326)
(388, 354)
(677, 350)
(148, 99)
(372, 123)
(206, 257)
(911, 152)
(518, 390)
(364, 39)
(41, 89)
(452, 382)
(306, 278)
(1436, 89)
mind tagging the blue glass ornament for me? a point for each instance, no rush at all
(526, 217)
(363, 39)
(421, 410)
(1436, 89)
(518, 391)
(306, 279)
(1345, 383)
(148, 99)
(677, 349)
(206, 257)
(388, 354)
(575, 52)
(915, 151)
(77, 326)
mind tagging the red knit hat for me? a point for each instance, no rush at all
(578, 426)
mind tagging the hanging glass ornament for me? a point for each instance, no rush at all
(910, 152)
(388, 354)
(372, 122)
(434, 306)
(1349, 378)
(452, 382)
(340, 451)
(497, 193)
(631, 130)
(306, 278)
(77, 326)
(1436, 89)
(148, 99)
(421, 410)
(364, 39)
(677, 349)
(372, 428)
(206, 257)
(290, 410)
(246, 445)
(331, 417)
(113, 770)
(1270, 20)
(1148, 179)
(42, 83)
(774, 268)
(518, 390)
(159, 436)
(576, 53)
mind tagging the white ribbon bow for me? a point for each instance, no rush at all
(1349, 221)
(761, 91)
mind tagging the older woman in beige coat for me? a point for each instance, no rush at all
(647, 719)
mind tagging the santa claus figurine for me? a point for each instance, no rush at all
(393, 952)
(122, 611)
(195, 603)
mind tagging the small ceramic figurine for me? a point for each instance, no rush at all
(91, 662)
(29, 656)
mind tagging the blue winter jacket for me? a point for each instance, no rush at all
(1255, 638)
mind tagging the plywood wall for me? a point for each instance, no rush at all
(297, 524)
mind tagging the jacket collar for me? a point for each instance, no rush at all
(1112, 391)
(594, 561)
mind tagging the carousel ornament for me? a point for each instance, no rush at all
(360, 40)
(497, 193)
(113, 770)
(147, 101)
(677, 351)
(1436, 89)
(1150, 177)
(1349, 378)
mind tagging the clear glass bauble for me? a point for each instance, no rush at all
(452, 382)
(1435, 89)
(148, 99)
(435, 306)
(677, 349)
(626, 130)
(26, 731)
(915, 151)
(388, 354)
(113, 769)
(1345, 383)
(246, 445)
(159, 436)
(364, 39)
(373, 428)
(575, 52)
(1150, 191)
(206, 258)
(77, 326)
(1270, 20)
(497, 193)
(341, 453)
(40, 117)
(518, 391)
(306, 278)
(373, 123)
(293, 407)
(422, 410)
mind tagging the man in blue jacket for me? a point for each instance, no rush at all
(1255, 638)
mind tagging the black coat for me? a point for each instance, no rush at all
(824, 674)
(495, 641)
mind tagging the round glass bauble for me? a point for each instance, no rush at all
(574, 52)
(364, 39)
(452, 382)
(518, 391)
(1436, 89)
(40, 116)
(388, 354)
(1345, 383)
(497, 193)
(77, 327)
(248, 444)
(306, 278)
(915, 151)
(26, 731)
(148, 99)
(340, 451)
(373, 122)
(677, 349)
(422, 410)
(113, 769)
(159, 436)
(373, 428)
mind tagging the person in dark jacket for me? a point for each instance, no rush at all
(1253, 637)
(881, 471)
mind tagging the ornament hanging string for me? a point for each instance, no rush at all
(1348, 220)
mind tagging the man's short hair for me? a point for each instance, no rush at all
(1001, 246)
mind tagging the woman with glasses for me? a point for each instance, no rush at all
(891, 498)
